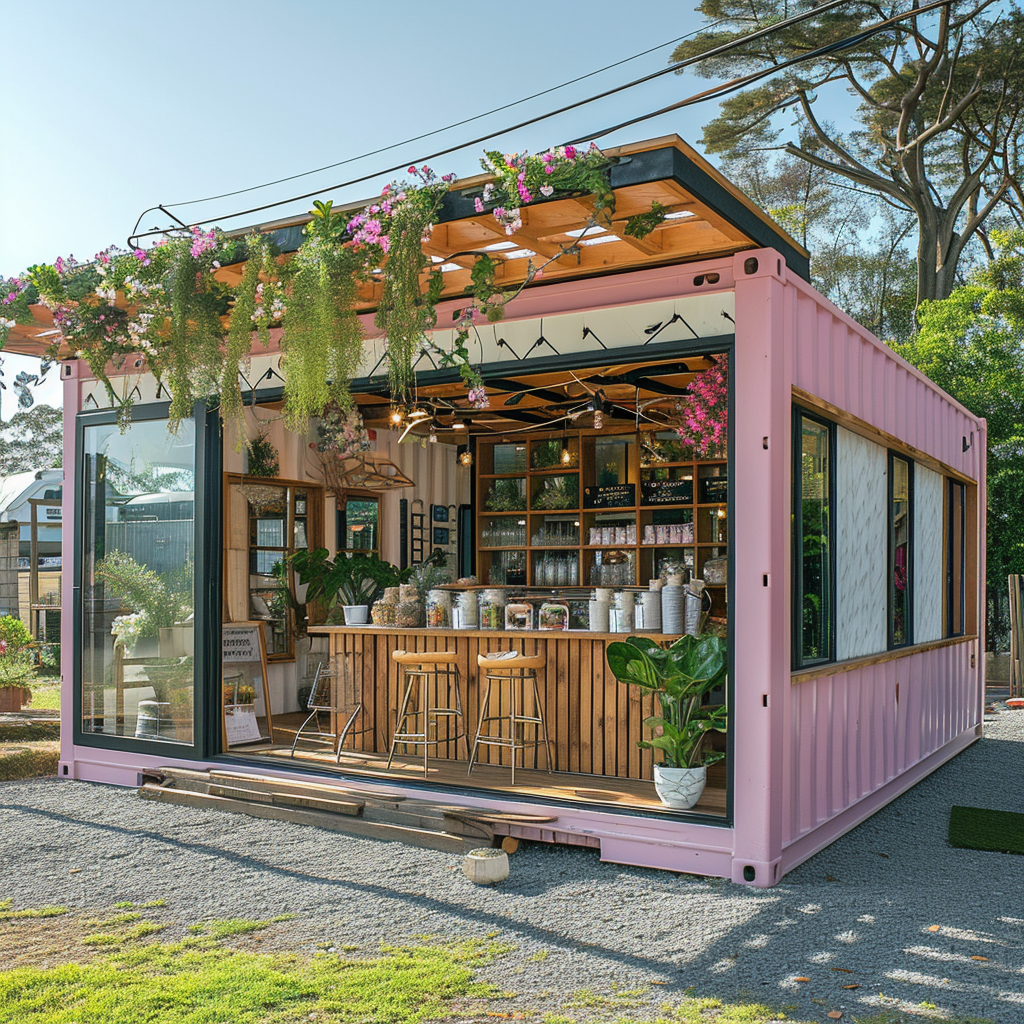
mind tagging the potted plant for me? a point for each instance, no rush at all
(350, 584)
(680, 676)
(17, 666)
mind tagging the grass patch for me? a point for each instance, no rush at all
(587, 998)
(6, 914)
(138, 931)
(45, 695)
(975, 828)
(198, 981)
(28, 760)
(112, 922)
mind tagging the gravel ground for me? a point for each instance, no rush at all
(889, 907)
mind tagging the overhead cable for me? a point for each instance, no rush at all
(672, 68)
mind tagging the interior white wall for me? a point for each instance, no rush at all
(928, 550)
(861, 546)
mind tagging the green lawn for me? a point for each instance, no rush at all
(45, 694)
(111, 969)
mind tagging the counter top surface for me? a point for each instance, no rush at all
(536, 634)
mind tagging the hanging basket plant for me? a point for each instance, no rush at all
(705, 413)
(323, 336)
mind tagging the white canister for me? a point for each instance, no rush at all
(650, 602)
(599, 616)
(622, 616)
(464, 614)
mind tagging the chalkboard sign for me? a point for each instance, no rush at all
(610, 496)
(246, 716)
(666, 492)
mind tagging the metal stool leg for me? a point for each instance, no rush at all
(484, 705)
(401, 718)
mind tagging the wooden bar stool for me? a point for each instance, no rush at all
(421, 668)
(515, 672)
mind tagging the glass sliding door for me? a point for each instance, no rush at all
(136, 576)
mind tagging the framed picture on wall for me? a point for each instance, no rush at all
(439, 514)
(441, 536)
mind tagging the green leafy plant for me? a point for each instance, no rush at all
(643, 224)
(263, 458)
(355, 580)
(558, 492)
(681, 676)
(506, 496)
(14, 633)
(154, 600)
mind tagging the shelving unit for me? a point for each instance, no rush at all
(670, 510)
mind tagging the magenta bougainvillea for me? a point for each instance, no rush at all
(705, 413)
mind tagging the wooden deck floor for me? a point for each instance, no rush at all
(564, 787)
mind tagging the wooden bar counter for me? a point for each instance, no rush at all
(593, 720)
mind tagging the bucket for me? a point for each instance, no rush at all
(154, 721)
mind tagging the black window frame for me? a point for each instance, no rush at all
(952, 599)
(207, 519)
(890, 528)
(798, 661)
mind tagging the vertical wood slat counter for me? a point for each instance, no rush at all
(593, 720)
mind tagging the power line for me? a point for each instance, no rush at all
(438, 131)
(740, 83)
(672, 68)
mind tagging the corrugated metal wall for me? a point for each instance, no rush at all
(847, 735)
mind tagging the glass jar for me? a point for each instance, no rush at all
(439, 609)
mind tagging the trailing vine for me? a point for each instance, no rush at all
(165, 307)
(323, 336)
(406, 312)
(259, 303)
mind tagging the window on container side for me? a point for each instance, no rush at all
(813, 547)
(956, 556)
(901, 550)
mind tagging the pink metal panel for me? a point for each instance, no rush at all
(69, 373)
(852, 735)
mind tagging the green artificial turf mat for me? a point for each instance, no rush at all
(975, 828)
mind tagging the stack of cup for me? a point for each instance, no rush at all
(599, 611)
(672, 615)
(650, 601)
(622, 612)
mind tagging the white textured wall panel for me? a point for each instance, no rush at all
(861, 546)
(928, 495)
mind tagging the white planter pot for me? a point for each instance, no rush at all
(355, 614)
(679, 787)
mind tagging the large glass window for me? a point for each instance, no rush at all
(813, 549)
(137, 588)
(956, 557)
(901, 551)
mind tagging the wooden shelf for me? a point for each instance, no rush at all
(644, 557)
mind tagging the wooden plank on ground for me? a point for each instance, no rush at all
(424, 838)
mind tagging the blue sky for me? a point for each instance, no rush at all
(113, 107)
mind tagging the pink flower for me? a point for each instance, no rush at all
(478, 205)
(570, 152)
(412, 170)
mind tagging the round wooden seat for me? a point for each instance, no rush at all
(425, 657)
(491, 664)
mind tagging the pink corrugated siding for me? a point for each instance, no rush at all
(840, 362)
(850, 736)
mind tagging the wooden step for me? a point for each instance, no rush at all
(427, 838)
(256, 793)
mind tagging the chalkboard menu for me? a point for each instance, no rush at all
(610, 496)
(666, 492)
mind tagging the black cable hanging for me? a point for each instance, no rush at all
(672, 68)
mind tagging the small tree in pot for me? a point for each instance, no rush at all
(345, 583)
(681, 676)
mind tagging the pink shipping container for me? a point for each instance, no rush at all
(855, 542)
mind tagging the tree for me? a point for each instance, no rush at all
(31, 440)
(937, 124)
(972, 345)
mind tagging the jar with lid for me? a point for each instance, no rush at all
(492, 609)
(439, 609)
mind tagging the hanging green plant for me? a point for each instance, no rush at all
(406, 312)
(262, 456)
(323, 336)
(259, 304)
